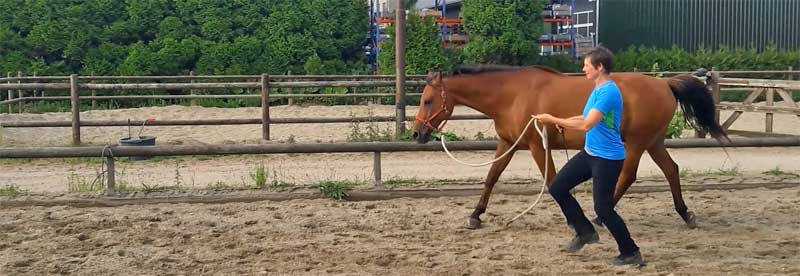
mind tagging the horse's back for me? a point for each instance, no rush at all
(648, 104)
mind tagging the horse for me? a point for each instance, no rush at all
(510, 95)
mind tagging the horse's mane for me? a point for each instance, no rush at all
(487, 68)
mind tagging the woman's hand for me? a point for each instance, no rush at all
(544, 118)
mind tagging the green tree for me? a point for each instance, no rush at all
(141, 37)
(424, 51)
(502, 31)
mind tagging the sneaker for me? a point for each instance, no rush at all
(579, 241)
(633, 259)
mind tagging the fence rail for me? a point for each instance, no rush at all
(108, 123)
(109, 153)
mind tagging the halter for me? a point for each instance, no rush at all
(442, 108)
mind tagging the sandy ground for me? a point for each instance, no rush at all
(746, 232)
(200, 172)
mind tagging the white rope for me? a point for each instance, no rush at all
(501, 156)
(542, 133)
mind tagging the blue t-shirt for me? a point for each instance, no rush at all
(604, 140)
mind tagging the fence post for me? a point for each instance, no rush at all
(790, 77)
(376, 169)
(400, 62)
(43, 91)
(10, 93)
(192, 102)
(111, 185)
(35, 92)
(19, 91)
(76, 110)
(290, 90)
(715, 91)
(265, 107)
(94, 94)
(770, 103)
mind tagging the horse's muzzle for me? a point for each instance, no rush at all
(422, 136)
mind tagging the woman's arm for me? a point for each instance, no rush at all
(575, 122)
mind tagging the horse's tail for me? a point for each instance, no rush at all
(697, 105)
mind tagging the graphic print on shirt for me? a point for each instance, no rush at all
(609, 119)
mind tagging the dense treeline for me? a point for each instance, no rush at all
(173, 37)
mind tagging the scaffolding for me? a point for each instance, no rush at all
(452, 32)
(562, 37)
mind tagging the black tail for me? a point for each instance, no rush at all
(697, 105)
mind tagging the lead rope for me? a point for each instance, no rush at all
(542, 133)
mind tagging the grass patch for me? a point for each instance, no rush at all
(11, 191)
(337, 190)
(369, 131)
(405, 182)
(482, 137)
(778, 172)
(732, 171)
(80, 184)
(265, 178)
(259, 176)
(685, 172)
(398, 182)
(450, 136)
(221, 186)
(372, 131)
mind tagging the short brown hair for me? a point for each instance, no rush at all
(601, 55)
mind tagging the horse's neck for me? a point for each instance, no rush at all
(482, 96)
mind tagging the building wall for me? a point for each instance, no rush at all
(387, 7)
(691, 24)
(453, 6)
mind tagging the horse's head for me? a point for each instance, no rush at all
(434, 109)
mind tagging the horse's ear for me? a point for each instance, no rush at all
(435, 78)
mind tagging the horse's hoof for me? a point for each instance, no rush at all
(474, 223)
(597, 221)
(691, 220)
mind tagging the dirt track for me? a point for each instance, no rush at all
(748, 232)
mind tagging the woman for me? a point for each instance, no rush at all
(600, 160)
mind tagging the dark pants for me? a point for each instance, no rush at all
(604, 174)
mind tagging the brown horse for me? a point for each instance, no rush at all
(511, 95)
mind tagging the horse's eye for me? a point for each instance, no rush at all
(427, 102)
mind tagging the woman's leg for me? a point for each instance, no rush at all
(604, 179)
(576, 171)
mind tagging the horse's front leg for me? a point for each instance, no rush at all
(494, 174)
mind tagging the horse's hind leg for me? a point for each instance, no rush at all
(491, 179)
(661, 157)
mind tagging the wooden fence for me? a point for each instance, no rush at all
(766, 87)
(111, 152)
(267, 82)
